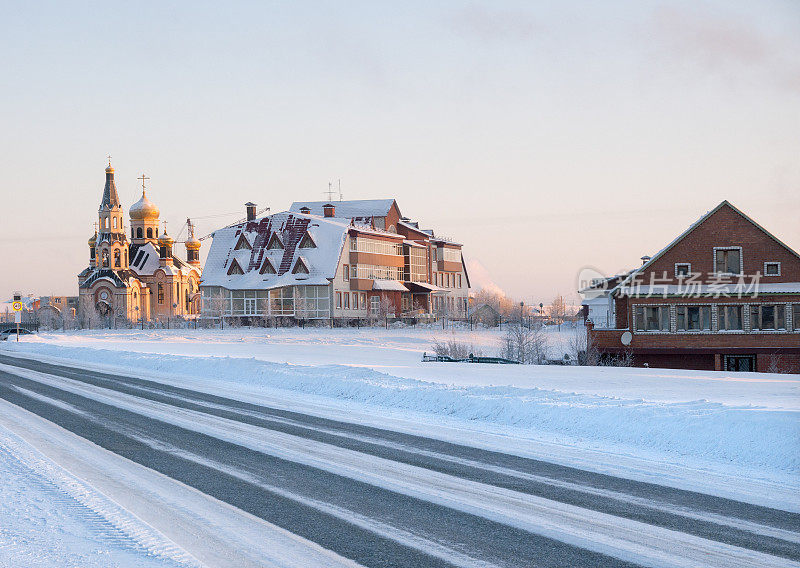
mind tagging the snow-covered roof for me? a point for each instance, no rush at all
(354, 208)
(389, 285)
(322, 260)
(144, 261)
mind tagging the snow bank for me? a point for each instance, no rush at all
(743, 436)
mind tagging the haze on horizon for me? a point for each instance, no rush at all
(544, 136)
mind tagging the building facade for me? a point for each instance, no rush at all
(137, 279)
(347, 260)
(724, 295)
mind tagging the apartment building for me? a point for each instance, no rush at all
(343, 260)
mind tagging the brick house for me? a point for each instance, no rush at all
(724, 295)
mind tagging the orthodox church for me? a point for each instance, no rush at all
(138, 279)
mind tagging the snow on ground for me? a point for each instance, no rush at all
(52, 518)
(744, 425)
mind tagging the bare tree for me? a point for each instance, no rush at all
(386, 309)
(451, 347)
(557, 311)
(527, 345)
(583, 348)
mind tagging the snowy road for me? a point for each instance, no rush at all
(260, 485)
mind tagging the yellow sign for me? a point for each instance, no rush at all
(17, 306)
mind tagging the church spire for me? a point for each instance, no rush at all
(110, 197)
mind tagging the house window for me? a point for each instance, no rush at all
(796, 316)
(652, 318)
(730, 317)
(683, 269)
(300, 267)
(728, 260)
(339, 300)
(363, 302)
(693, 318)
(242, 243)
(160, 293)
(275, 243)
(766, 317)
(307, 242)
(267, 267)
(346, 301)
(459, 280)
(772, 269)
(346, 272)
(375, 305)
(355, 300)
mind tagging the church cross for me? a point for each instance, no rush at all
(143, 178)
(95, 227)
(109, 159)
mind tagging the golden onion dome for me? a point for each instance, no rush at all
(192, 243)
(165, 240)
(143, 209)
(93, 240)
(109, 169)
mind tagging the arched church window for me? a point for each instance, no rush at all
(115, 222)
(105, 258)
(139, 233)
(126, 257)
(149, 232)
(160, 293)
(117, 259)
(156, 231)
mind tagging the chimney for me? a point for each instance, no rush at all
(328, 210)
(250, 207)
(645, 260)
(305, 210)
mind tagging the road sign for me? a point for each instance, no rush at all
(17, 317)
(17, 306)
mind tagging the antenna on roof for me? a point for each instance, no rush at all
(330, 192)
(340, 190)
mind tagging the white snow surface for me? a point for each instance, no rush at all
(743, 425)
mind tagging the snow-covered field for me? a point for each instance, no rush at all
(731, 434)
(748, 421)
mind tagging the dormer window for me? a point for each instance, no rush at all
(242, 243)
(275, 242)
(300, 267)
(683, 269)
(235, 269)
(267, 267)
(728, 260)
(772, 269)
(307, 241)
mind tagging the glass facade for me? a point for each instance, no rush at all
(309, 302)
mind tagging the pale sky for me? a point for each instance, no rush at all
(545, 136)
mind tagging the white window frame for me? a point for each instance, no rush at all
(772, 262)
(689, 264)
(741, 260)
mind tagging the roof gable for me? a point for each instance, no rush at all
(722, 227)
